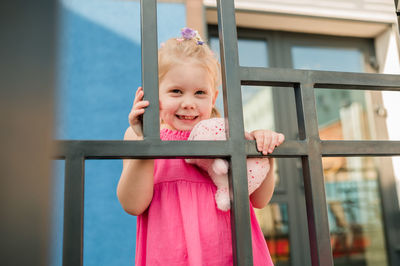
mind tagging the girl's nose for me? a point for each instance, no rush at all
(188, 103)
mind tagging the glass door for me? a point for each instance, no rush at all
(353, 184)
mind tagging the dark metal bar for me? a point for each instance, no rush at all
(318, 229)
(398, 14)
(207, 149)
(397, 9)
(144, 149)
(73, 210)
(360, 148)
(240, 215)
(151, 120)
(390, 213)
(167, 149)
(283, 77)
(288, 149)
(278, 77)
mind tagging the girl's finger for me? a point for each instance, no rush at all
(138, 95)
(259, 141)
(267, 141)
(273, 143)
(137, 91)
(281, 138)
(141, 105)
(133, 116)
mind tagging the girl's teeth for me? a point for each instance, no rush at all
(186, 117)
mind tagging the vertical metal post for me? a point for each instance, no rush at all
(148, 16)
(73, 210)
(390, 214)
(240, 217)
(397, 7)
(318, 227)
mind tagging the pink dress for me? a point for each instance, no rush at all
(182, 225)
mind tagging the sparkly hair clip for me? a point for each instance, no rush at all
(190, 34)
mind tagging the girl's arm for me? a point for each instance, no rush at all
(135, 186)
(263, 194)
(266, 141)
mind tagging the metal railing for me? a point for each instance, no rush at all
(236, 149)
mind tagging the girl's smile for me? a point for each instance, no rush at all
(186, 96)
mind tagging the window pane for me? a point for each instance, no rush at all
(354, 210)
(258, 110)
(273, 220)
(329, 59)
(252, 52)
(352, 115)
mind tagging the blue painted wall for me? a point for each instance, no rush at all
(100, 69)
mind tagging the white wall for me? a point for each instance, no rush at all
(369, 10)
(387, 47)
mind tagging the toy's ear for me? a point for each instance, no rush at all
(220, 166)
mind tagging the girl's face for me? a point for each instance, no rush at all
(186, 96)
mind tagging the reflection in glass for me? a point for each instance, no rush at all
(350, 115)
(258, 110)
(273, 220)
(354, 211)
(351, 183)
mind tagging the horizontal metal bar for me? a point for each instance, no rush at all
(330, 148)
(284, 77)
(119, 149)
(289, 149)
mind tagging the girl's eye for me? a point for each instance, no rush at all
(176, 91)
(200, 92)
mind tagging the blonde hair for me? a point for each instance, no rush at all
(178, 51)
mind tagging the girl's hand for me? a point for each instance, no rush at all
(136, 114)
(266, 140)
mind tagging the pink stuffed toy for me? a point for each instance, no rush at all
(257, 168)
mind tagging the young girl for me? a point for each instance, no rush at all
(178, 221)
